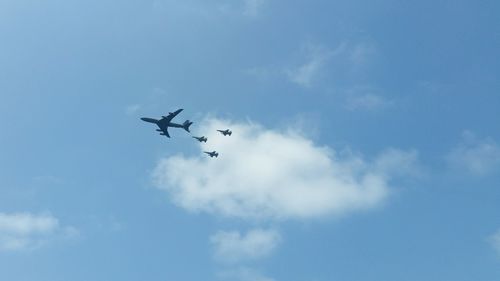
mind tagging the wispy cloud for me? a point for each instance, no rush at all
(268, 174)
(246, 8)
(49, 179)
(495, 241)
(21, 231)
(474, 155)
(367, 101)
(261, 72)
(316, 62)
(360, 54)
(244, 274)
(317, 57)
(252, 7)
(151, 102)
(319, 60)
(232, 246)
(132, 109)
(235, 9)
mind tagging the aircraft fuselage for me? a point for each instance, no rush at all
(159, 122)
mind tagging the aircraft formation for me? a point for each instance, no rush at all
(166, 122)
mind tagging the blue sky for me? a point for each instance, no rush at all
(365, 140)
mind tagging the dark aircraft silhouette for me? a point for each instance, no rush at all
(225, 132)
(165, 122)
(201, 139)
(212, 154)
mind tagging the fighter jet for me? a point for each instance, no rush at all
(225, 132)
(166, 121)
(212, 154)
(201, 139)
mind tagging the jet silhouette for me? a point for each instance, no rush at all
(225, 132)
(212, 154)
(166, 121)
(201, 139)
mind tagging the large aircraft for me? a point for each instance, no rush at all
(212, 154)
(201, 139)
(225, 132)
(166, 121)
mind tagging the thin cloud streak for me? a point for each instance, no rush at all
(253, 7)
(495, 241)
(25, 231)
(369, 101)
(244, 274)
(233, 246)
(317, 57)
(476, 156)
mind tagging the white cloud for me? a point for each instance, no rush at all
(244, 274)
(495, 241)
(268, 174)
(232, 246)
(316, 59)
(19, 231)
(477, 156)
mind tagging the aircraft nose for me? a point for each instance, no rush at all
(150, 120)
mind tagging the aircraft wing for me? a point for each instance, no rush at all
(171, 115)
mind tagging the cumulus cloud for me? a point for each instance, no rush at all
(232, 246)
(271, 174)
(20, 231)
(477, 156)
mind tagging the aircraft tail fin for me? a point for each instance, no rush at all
(186, 125)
